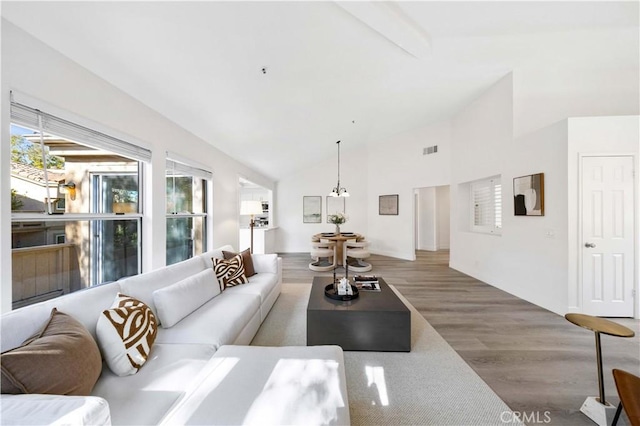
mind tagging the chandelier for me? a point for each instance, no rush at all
(337, 191)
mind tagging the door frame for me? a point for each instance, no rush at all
(636, 227)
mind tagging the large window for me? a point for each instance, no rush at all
(76, 216)
(52, 257)
(486, 202)
(187, 189)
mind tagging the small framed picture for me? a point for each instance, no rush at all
(388, 205)
(312, 209)
(528, 195)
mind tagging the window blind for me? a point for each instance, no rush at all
(178, 166)
(486, 201)
(482, 209)
(28, 117)
(497, 203)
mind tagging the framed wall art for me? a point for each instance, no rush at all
(311, 209)
(388, 205)
(528, 195)
(335, 205)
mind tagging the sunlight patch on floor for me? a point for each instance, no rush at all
(375, 376)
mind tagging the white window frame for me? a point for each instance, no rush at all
(38, 120)
(177, 165)
(485, 200)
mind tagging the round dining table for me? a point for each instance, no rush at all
(339, 240)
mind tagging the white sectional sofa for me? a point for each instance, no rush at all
(200, 370)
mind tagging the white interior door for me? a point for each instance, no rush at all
(607, 236)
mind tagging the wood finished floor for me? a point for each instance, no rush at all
(534, 359)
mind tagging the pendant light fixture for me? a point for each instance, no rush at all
(337, 191)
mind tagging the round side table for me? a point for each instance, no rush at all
(598, 409)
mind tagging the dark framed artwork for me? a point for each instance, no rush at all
(528, 195)
(335, 205)
(311, 209)
(388, 205)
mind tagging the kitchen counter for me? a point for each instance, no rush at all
(264, 239)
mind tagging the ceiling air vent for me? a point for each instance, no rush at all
(430, 150)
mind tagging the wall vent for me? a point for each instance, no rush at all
(430, 150)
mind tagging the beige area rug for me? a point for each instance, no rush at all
(431, 385)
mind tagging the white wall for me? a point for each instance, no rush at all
(534, 248)
(549, 87)
(480, 134)
(295, 236)
(427, 219)
(535, 257)
(34, 70)
(524, 260)
(597, 135)
(432, 218)
(397, 166)
(390, 166)
(443, 214)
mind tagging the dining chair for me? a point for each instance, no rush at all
(628, 386)
(354, 253)
(324, 256)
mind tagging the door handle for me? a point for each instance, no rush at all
(590, 245)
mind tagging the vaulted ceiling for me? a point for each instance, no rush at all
(356, 72)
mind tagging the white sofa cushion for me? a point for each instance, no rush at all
(307, 384)
(36, 409)
(83, 305)
(126, 333)
(217, 253)
(218, 322)
(142, 286)
(144, 398)
(180, 299)
(259, 284)
(265, 263)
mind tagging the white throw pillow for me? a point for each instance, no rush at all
(178, 300)
(142, 286)
(126, 333)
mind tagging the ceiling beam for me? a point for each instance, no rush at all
(388, 20)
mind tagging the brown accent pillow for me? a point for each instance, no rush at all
(61, 359)
(246, 259)
(229, 272)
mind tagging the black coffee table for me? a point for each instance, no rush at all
(375, 321)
